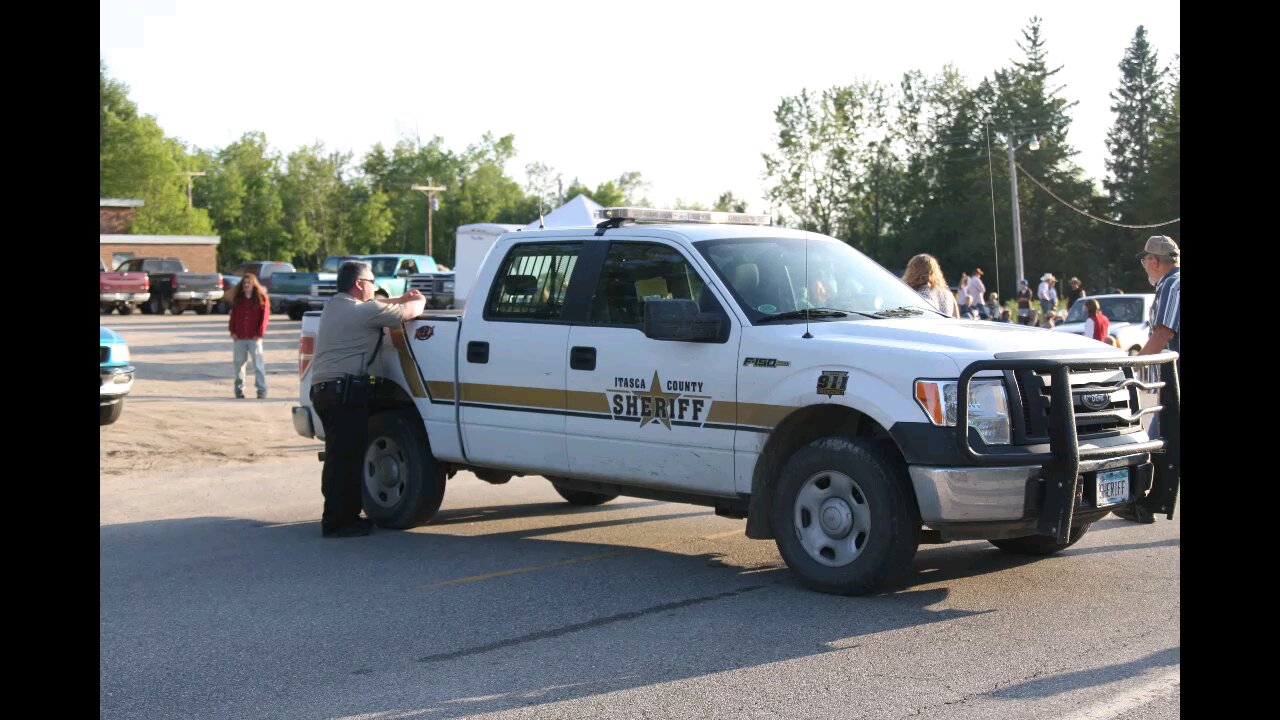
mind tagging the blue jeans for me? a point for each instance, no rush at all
(241, 352)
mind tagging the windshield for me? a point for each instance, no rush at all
(1117, 309)
(331, 264)
(770, 276)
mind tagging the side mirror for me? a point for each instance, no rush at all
(679, 320)
(403, 272)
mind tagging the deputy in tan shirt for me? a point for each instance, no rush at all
(351, 328)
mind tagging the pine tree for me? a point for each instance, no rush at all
(1138, 104)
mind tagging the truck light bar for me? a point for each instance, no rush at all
(683, 216)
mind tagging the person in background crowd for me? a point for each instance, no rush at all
(993, 307)
(924, 275)
(962, 296)
(1159, 258)
(977, 291)
(1096, 325)
(1024, 302)
(1048, 295)
(1004, 315)
(1074, 292)
(250, 312)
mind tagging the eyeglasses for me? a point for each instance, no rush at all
(368, 279)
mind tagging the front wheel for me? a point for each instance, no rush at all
(108, 414)
(843, 518)
(202, 309)
(582, 497)
(1040, 545)
(402, 484)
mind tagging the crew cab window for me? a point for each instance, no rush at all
(637, 272)
(408, 265)
(532, 282)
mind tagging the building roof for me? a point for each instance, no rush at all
(159, 239)
(118, 202)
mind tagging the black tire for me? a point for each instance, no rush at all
(125, 309)
(156, 305)
(883, 530)
(105, 309)
(296, 311)
(202, 309)
(108, 414)
(401, 483)
(176, 309)
(1040, 545)
(582, 497)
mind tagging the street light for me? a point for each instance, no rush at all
(1034, 143)
(433, 204)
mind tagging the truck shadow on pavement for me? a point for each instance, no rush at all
(427, 623)
(1066, 682)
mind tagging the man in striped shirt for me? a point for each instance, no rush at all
(1159, 259)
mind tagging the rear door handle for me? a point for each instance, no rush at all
(478, 352)
(582, 358)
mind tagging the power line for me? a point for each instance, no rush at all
(1091, 217)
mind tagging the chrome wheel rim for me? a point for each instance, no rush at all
(832, 518)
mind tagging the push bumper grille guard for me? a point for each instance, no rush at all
(1061, 465)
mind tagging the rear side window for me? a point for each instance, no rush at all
(532, 282)
(168, 266)
(635, 273)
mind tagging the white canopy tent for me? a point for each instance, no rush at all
(581, 211)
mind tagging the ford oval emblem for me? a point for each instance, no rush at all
(1096, 401)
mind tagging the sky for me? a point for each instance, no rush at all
(682, 92)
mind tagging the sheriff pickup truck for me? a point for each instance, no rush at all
(775, 375)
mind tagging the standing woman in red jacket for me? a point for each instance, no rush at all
(250, 310)
(1096, 325)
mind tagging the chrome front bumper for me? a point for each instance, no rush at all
(987, 494)
(115, 382)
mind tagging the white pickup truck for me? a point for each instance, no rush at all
(775, 375)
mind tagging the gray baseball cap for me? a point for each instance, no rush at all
(1161, 245)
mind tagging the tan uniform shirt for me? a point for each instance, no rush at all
(349, 331)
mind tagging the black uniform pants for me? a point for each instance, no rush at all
(345, 430)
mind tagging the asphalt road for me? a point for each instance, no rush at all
(219, 599)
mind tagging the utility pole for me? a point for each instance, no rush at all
(1034, 142)
(190, 175)
(432, 203)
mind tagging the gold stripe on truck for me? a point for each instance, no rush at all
(511, 395)
(407, 366)
(748, 414)
(440, 389)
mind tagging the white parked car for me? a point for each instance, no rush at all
(1128, 315)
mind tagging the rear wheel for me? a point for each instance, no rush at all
(153, 306)
(582, 497)
(125, 309)
(296, 311)
(1040, 544)
(176, 309)
(108, 414)
(402, 484)
(202, 309)
(842, 517)
(105, 309)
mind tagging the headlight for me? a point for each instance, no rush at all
(120, 353)
(988, 407)
(448, 286)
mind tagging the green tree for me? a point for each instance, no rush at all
(136, 160)
(242, 193)
(728, 203)
(1138, 104)
(623, 191)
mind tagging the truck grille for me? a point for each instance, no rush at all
(1104, 412)
(327, 288)
(424, 284)
(104, 354)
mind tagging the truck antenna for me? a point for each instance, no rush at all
(807, 304)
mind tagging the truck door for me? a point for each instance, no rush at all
(651, 412)
(511, 362)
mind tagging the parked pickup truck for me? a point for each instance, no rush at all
(775, 375)
(174, 288)
(391, 275)
(121, 291)
(293, 292)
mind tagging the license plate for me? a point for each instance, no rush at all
(1113, 487)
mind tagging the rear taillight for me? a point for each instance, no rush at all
(174, 282)
(306, 350)
(146, 282)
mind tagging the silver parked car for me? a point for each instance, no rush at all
(1128, 315)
